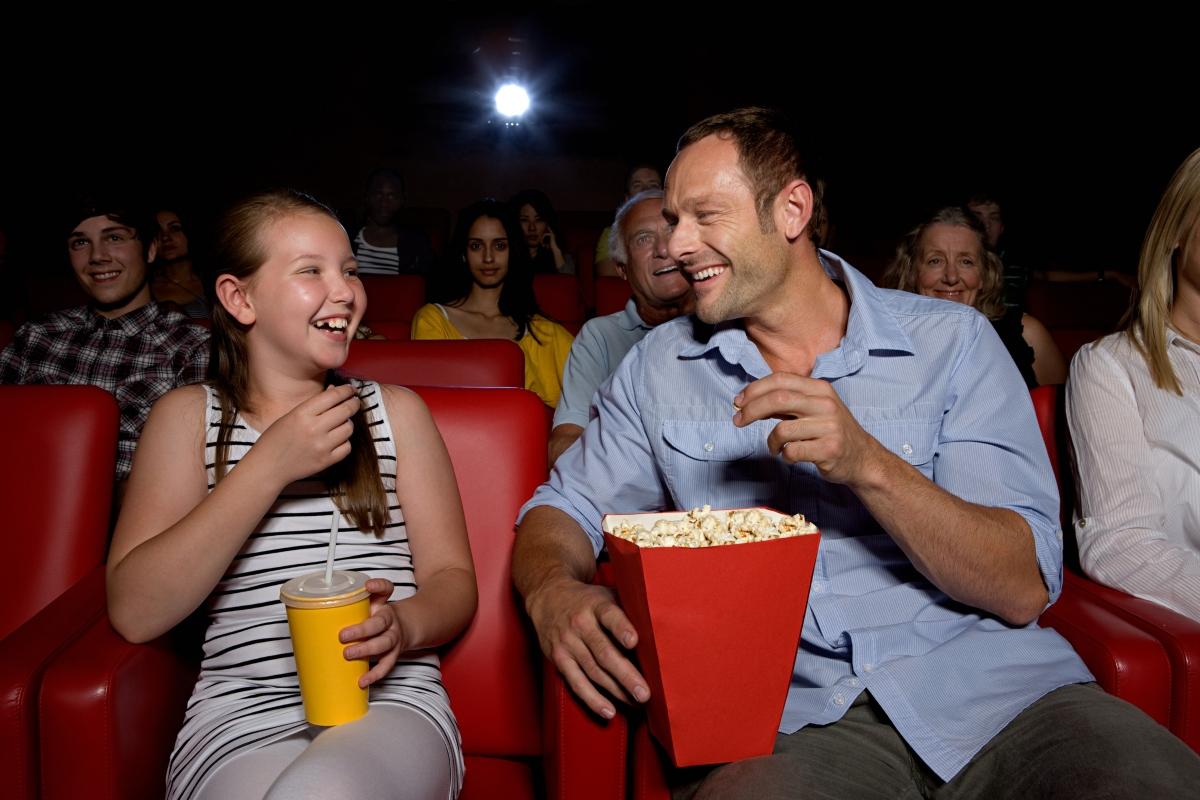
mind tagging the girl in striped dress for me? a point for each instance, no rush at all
(233, 492)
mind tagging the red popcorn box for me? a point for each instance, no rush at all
(718, 628)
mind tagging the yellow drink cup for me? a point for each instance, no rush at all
(317, 611)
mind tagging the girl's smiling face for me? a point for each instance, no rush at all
(306, 298)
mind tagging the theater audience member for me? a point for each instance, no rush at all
(236, 486)
(121, 341)
(945, 257)
(1132, 407)
(920, 670)
(543, 236)
(489, 295)
(643, 177)
(174, 279)
(382, 245)
(660, 293)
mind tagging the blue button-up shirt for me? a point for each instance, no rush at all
(932, 382)
(595, 353)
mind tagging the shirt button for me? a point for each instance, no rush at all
(906, 448)
(868, 667)
(818, 587)
(852, 681)
(839, 699)
(708, 447)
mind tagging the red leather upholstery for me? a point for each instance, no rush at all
(399, 330)
(454, 362)
(111, 709)
(611, 294)
(1045, 399)
(394, 298)
(56, 490)
(558, 297)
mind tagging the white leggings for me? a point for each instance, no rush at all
(392, 752)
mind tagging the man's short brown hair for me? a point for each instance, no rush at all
(768, 152)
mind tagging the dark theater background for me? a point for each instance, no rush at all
(1076, 126)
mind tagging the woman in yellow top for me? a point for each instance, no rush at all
(489, 295)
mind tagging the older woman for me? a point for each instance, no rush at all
(1132, 404)
(946, 257)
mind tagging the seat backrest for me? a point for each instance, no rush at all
(497, 443)
(393, 298)
(558, 297)
(611, 294)
(1045, 401)
(60, 444)
(459, 362)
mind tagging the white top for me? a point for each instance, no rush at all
(1137, 450)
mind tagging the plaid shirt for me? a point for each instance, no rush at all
(138, 357)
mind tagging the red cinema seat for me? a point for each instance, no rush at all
(393, 298)
(454, 362)
(57, 489)
(611, 294)
(558, 297)
(111, 709)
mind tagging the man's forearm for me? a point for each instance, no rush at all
(978, 555)
(550, 546)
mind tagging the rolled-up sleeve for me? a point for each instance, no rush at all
(990, 449)
(611, 469)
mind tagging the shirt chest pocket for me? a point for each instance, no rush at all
(716, 463)
(910, 434)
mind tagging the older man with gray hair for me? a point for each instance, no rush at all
(638, 244)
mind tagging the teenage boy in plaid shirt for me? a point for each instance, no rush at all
(121, 341)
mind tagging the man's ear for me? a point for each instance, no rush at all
(232, 294)
(152, 251)
(796, 208)
(621, 270)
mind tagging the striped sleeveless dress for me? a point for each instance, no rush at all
(247, 694)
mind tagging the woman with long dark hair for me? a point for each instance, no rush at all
(489, 295)
(542, 234)
(235, 488)
(174, 278)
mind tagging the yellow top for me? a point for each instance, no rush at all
(544, 360)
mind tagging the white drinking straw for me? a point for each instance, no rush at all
(333, 533)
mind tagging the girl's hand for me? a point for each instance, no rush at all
(381, 636)
(312, 436)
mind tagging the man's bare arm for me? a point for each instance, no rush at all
(576, 622)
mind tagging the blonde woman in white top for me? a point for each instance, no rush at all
(1133, 403)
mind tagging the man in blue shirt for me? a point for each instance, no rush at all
(898, 425)
(660, 293)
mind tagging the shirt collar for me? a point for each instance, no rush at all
(870, 328)
(1175, 338)
(130, 324)
(630, 319)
